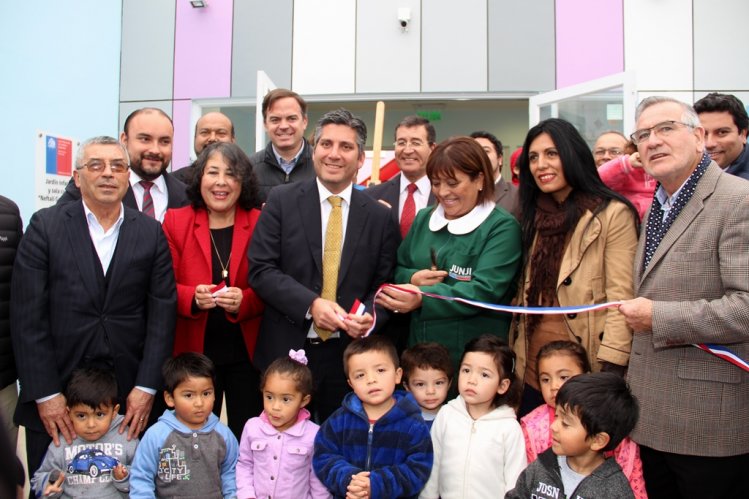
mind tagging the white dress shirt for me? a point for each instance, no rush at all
(159, 194)
(421, 194)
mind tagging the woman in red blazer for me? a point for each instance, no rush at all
(217, 312)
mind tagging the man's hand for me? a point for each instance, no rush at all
(359, 487)
(55, 417)
(327, 314)
(139, 404)
(358, 325)
(638, 313)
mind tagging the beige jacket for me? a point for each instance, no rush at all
(596, 268)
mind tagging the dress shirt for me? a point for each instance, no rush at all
(105, 242)
(667, 201)
(421, 194)
(287, 166)
(158, 193)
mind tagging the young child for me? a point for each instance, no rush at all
(558, 361)
(594, 412)
(427, 375)
(283, 429)
(478, 445)
(376, 445)
(96, 463)
(188, 452)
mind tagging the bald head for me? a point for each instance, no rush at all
(212, 127)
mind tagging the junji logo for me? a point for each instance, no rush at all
(461, 273)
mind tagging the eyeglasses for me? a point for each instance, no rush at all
(663, 129)
(98, 165)
(403, 143)
(614, 151)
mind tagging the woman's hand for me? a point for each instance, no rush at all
(203, 297)
(400, 301)
(428, 277)
(230, 300)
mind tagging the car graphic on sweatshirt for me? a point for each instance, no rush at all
(92, 462)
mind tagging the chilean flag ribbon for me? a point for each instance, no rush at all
(717, 350)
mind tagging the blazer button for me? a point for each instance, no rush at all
(567, 281)
(571, 316)
(579, 340)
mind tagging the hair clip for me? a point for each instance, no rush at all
(299, 356)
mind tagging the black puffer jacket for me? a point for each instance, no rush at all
(11, 230)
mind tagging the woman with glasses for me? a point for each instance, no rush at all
(462, 247)
(218, 314)
(579, 240)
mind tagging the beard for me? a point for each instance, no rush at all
(153, 171)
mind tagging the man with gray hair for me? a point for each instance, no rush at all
(92, 285)
(692, 287)
(319, 248)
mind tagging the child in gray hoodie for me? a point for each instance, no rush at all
(97, 462)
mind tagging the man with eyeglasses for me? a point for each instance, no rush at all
(288, 156)
(211, 127)
(692, 285)
(147, 135)
(725, 121)
(92, 285)
(608, 146)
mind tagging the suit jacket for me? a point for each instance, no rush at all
(189, 239)
(175, 190)
(506, 196)
(690, 401)
(286, 262)
(63, 314)
(390, 193)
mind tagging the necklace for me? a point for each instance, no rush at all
(224, 268)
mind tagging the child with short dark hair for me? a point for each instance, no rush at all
(188, 452)
(427, 375)
(594, 413)
(557, 362)
(376, 445)
(283, 429)
(478, 445)
(97, 462)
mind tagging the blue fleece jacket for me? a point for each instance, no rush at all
(174, 461)
(396, 449)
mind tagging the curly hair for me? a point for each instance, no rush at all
(239, 163)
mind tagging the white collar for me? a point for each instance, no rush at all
(423, 185)
(463, 225)
(325, 193)
(159, 181)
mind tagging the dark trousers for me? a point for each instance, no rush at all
(240, 382)
(676, 476)
(326, 363)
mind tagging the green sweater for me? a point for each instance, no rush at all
(482, 264)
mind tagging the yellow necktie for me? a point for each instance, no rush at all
(331, 257)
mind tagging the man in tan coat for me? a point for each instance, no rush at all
(692, 283)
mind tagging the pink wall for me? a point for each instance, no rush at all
(182, 133)
(202, 50)
(590, 40)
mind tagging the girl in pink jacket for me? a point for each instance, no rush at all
(275, 452)
(558, 361)
(625, 175)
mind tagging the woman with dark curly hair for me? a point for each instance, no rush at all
(579, 241)
(218, 314)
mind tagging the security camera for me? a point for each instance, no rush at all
(404, 17)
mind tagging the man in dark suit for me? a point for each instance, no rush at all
(92, 285)
(505, 194)
(289, 257)
(148, 134)
(211, 128)
(691, 280)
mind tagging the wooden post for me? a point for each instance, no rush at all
(377, 143)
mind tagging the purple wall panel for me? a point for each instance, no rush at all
(181, 148)
(590, 40)
(202, 50)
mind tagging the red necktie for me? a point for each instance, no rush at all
(409, 210)
(147, 199)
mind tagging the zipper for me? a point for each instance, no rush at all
(370, 436)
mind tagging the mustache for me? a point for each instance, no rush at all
(152, 157)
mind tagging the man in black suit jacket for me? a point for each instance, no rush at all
(92, 285)
(148, 134)
(286, 260)
(505, 194)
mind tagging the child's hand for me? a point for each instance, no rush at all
(119, 472)
(359, 487)
(56, 486)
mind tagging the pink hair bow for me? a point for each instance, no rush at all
(299, 356)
